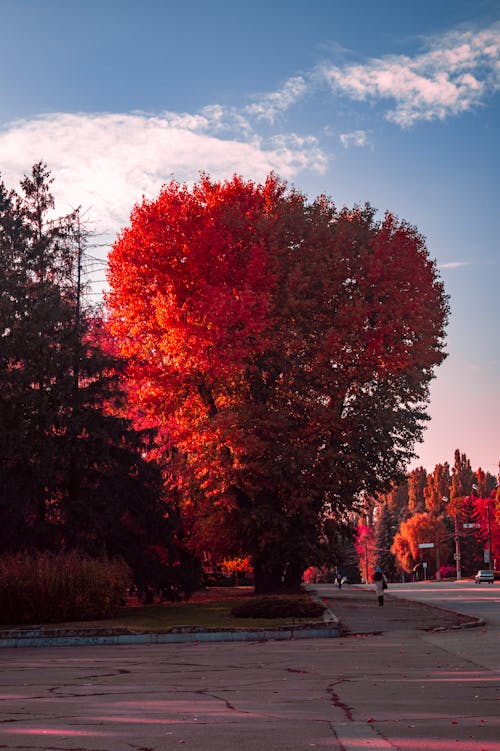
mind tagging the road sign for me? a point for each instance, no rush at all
(456, 556)
(426, 545)
(471, 526)
(424, 564)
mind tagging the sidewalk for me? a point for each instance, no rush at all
(358, 612)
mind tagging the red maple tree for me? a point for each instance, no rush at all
(282, 348)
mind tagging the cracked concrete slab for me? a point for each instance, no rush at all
(401, 689)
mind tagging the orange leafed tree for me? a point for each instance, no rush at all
(421, 528)
(282, 348)
(366, 550)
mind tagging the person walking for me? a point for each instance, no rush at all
(380, 584)
(338, 577)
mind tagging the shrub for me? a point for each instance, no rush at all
(278, 607)
(47, 587)
(317, 575)
(448, 572)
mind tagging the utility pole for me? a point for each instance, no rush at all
(77, 329)
(74, 468)
(457, 540)
(457, 549)
(488, 517)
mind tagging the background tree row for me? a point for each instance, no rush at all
(440, 508)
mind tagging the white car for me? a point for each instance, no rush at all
(484, 575)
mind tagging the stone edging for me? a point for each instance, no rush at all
(459, 626)
(181, 634)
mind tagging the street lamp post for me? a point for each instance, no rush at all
(438, 562)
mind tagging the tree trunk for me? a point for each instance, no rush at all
(293, 577)
(268, 578)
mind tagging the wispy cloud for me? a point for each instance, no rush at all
(269, 106)
(106, 162)
(355, 138)
(473, 368)
(452, 76)
(454, 264)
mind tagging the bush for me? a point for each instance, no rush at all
(448, 572)
(278, 607)
(44, 587)
(318, 575)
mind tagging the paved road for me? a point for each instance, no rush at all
(402, 689)
(482, 600)
(464, 596)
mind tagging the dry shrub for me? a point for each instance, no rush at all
(47, 587)
(278, 606)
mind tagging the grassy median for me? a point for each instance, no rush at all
(207, 609)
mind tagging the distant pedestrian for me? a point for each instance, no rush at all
(338, 578)
(380, 584)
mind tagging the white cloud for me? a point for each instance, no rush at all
(453, 76)
(106, 162)
(355, 138)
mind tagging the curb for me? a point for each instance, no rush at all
(468, 624)
(475, 623)
(328, 615)
(37, 638)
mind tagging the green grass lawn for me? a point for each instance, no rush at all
(165, 616)
(206, 609)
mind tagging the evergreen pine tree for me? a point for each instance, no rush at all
(74, 472)
(385, 531)
(416, 484)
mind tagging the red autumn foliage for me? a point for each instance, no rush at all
(282, 348)
(489, 529)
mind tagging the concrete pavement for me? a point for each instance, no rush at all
(427, 681)
(358, 611)
(387, 684)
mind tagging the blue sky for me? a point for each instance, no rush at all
(395, 103)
